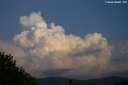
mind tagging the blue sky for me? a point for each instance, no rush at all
(78, 17)
(43, 52)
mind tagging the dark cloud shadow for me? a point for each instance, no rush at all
(87, 52)
(56, 72)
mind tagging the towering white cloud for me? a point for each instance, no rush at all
(50, 48)
(48, 51)
(34, 18)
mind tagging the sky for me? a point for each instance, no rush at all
(79, 39)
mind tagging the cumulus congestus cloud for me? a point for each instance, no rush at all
(50, 48)
(48, 51)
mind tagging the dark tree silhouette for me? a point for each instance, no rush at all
(70, 81)
(11, 74)
(123, 82)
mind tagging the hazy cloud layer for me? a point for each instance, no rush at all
(48, 50)
(124, 48)
(19, 54)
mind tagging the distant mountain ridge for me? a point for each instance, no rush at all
(108, 80)
(55, 81)
(64, 81)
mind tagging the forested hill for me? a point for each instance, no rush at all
(56, 81)
(113, 80)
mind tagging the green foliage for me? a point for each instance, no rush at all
(11, 74)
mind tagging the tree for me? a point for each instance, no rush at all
(11, 74)
(123, 82)
(70, 82)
